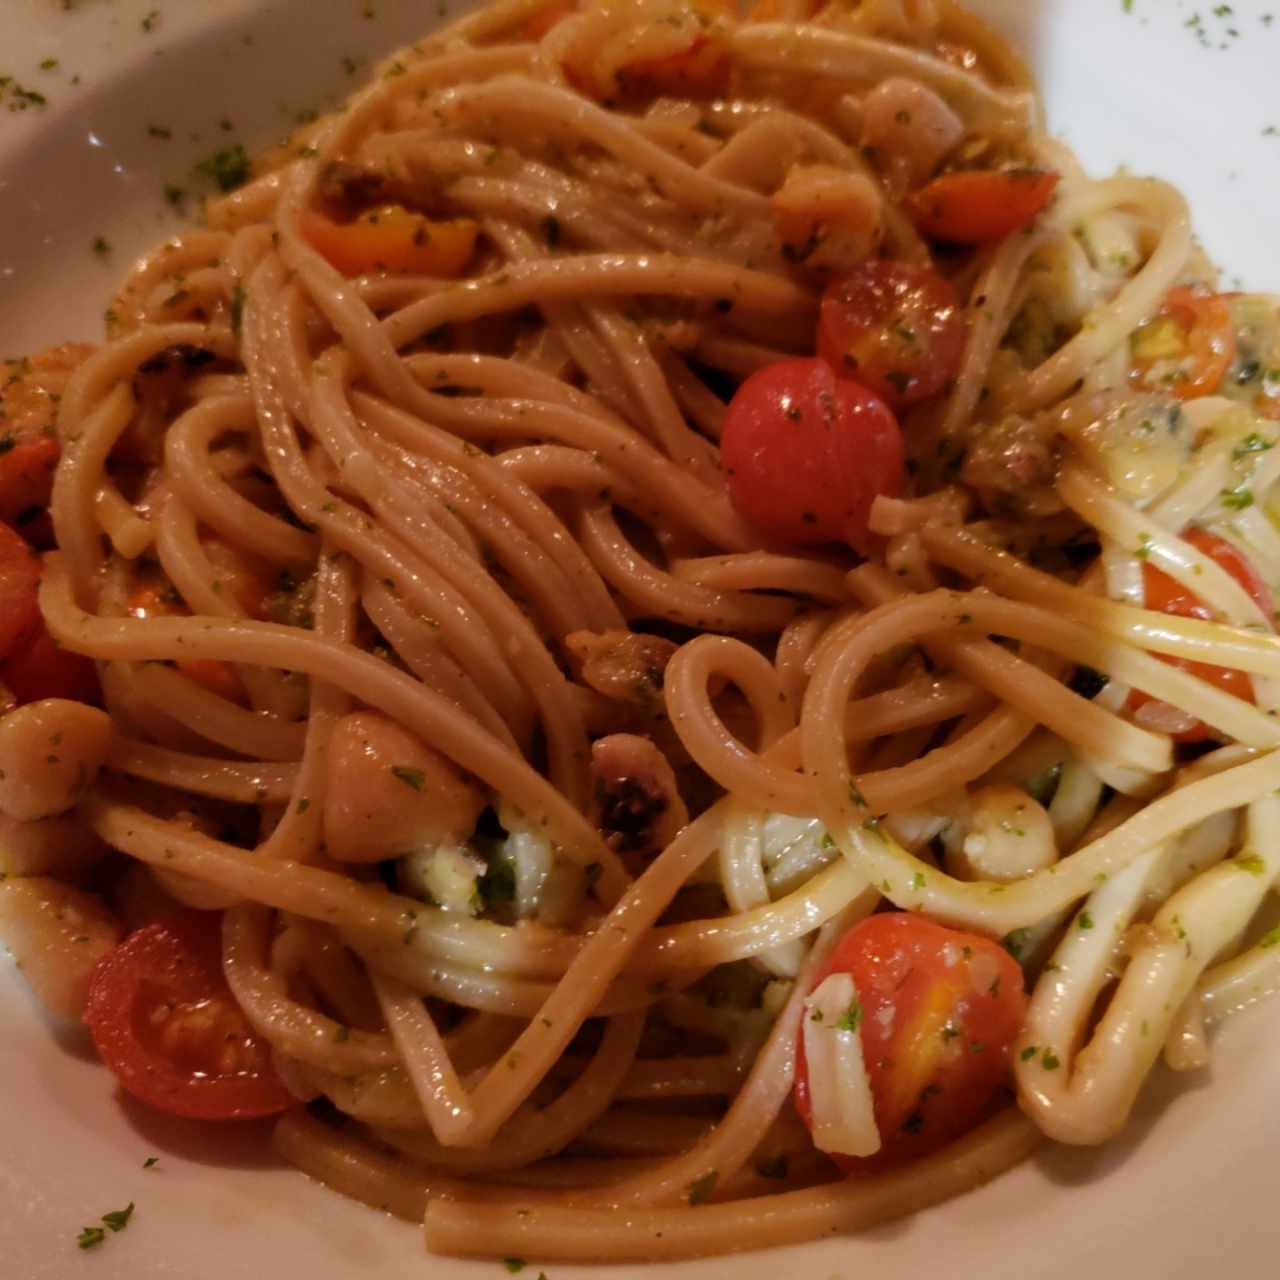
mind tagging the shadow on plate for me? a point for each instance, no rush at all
(243, 1144)
(1068, 1166)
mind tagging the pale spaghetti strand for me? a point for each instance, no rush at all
(444, 1101)
(1092, 1096)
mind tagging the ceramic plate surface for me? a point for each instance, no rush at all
(1164, 87)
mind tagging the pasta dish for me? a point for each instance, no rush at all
(658, 636)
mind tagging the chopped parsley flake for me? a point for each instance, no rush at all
(1015, 943)
(514, 1265)
(1252, 443)
(851, 1019)
(414, 778)
(701, 1188)
(1086, 920)
(20, 97)
(229, 167)
(118, 1219)
(1050, 1060)
(150, 1162)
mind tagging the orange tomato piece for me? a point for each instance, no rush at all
(1187, 348)
(1163, 594)
(392, 238)
(157, 600)
(974, 206)
(1166, 595)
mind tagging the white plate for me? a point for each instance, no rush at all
(1186, 1192)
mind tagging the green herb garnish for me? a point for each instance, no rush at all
(701, 1188)
(411, 777)
(229, 167)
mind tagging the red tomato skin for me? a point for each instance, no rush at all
(31, 665)
(19, 582)
(26, 479)
(177, 962)
(940, 1009)
(38, 669)
(976, 206)
(805, 453)
(897, 329)
(1165, 595)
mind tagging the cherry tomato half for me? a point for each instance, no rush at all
(974, 206)
(1188, 347)
(37, 668)
(1163, 594)
(30, 390)
(19, 582)
(897, 329)
(31, 665)
(164, 1020)
(940, 1009)
(806, 453)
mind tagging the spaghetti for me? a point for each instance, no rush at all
(537, 779)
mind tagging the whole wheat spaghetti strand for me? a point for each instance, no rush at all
(424, 430)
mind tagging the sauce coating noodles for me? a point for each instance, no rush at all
(530, 783)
